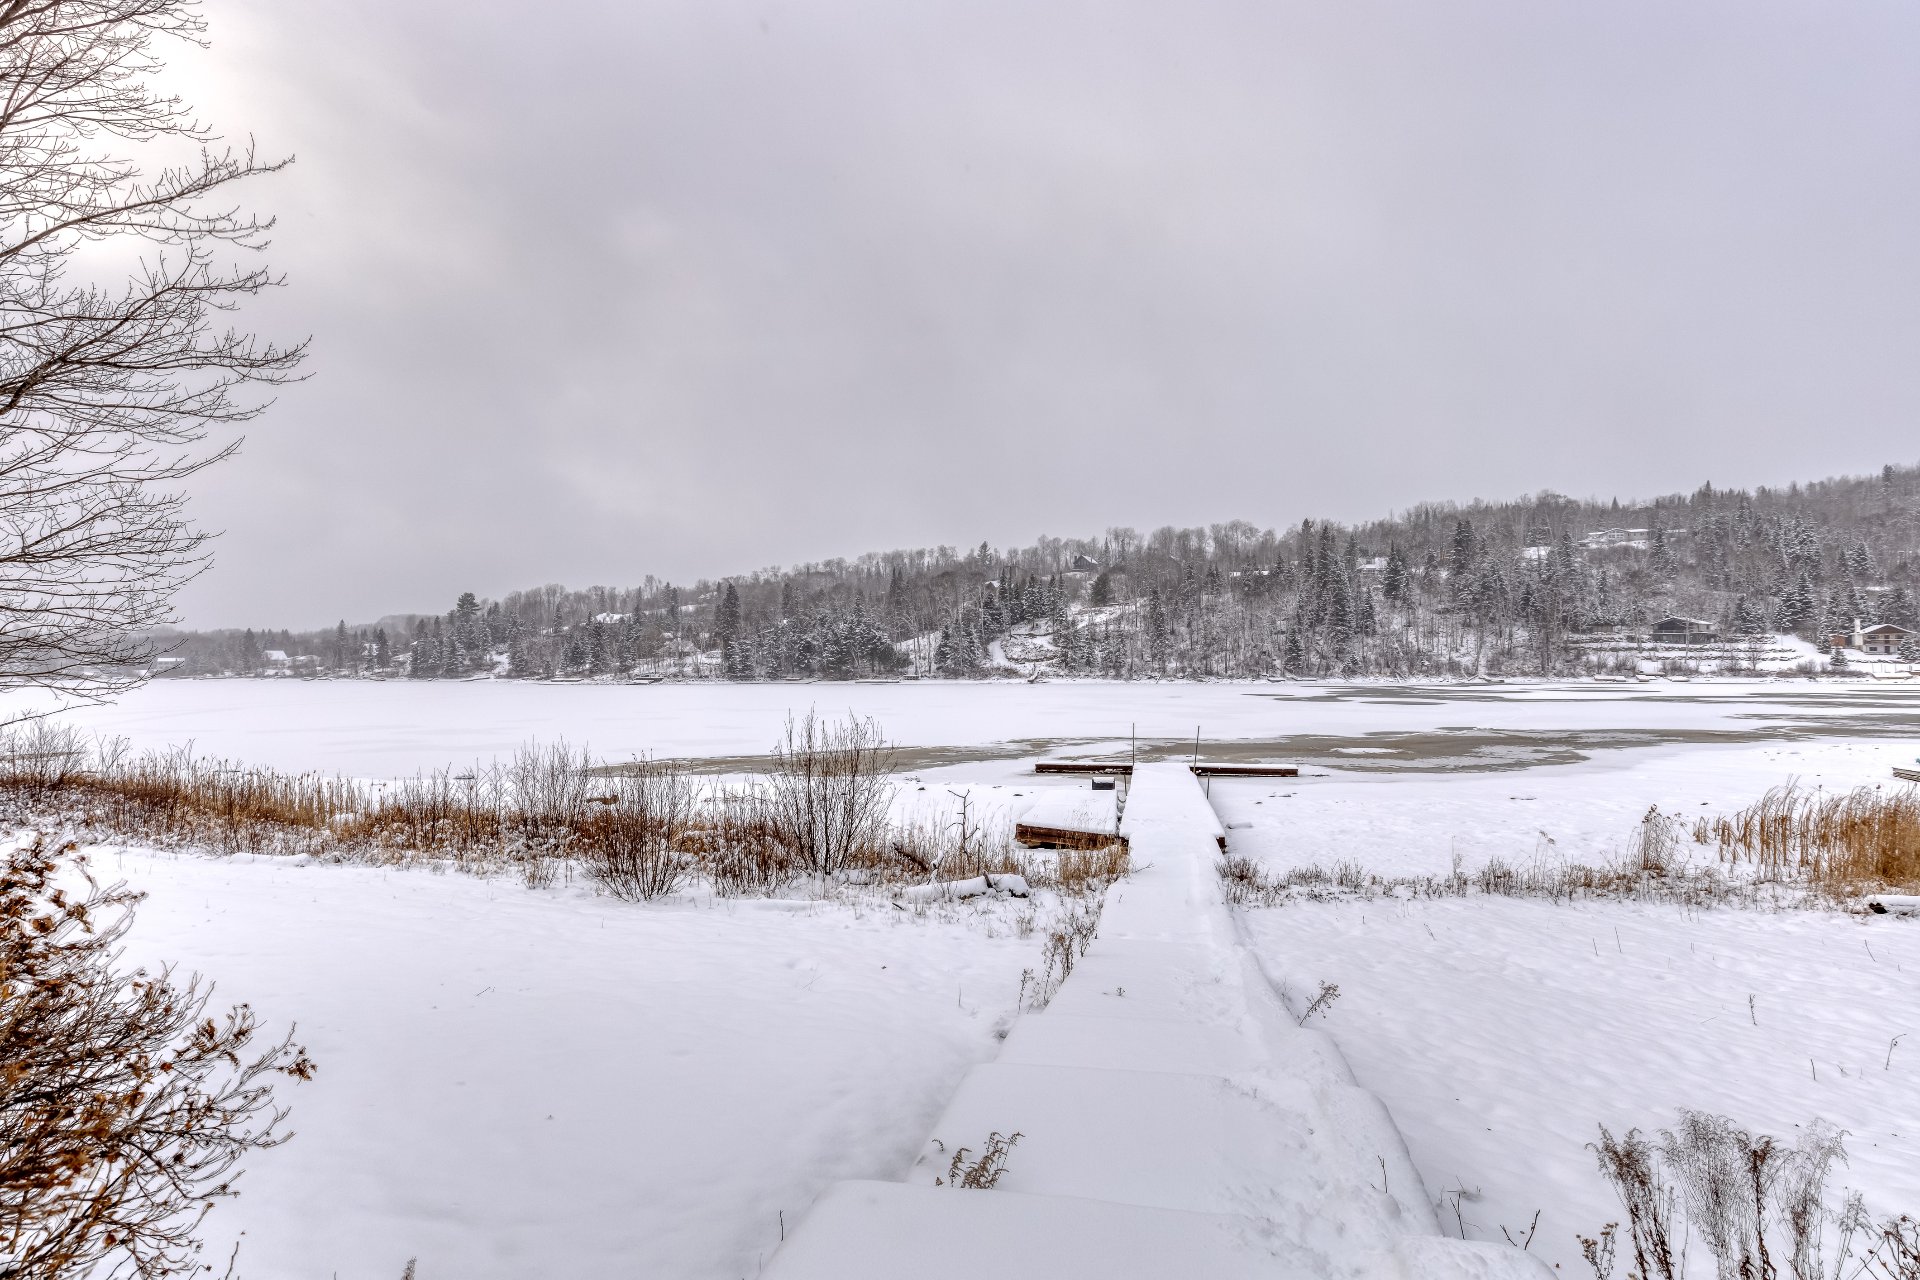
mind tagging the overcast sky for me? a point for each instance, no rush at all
(599, 290)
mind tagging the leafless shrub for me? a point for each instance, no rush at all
(124, 1107)
(631, 841)
(828, 790)
(41, 757)
(982, 1173)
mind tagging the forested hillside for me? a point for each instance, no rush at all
(1491, 587)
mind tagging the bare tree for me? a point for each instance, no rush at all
(111, 381)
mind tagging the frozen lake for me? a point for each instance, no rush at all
(393, 728)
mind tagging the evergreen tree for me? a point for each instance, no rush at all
(726, 630)
(1395, 581)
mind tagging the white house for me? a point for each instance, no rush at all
(1884, 639)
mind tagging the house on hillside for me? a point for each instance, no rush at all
(1678, 630)
(276, 660)
(1884, 639)
(1880, 640)
(1084, 564)
(1601, 539)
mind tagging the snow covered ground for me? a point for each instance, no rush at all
(1414, 823)
(711, 1066)
(521, 1083)
(1501, 1032)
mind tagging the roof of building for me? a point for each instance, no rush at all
(1677, 623)
(1878, 627)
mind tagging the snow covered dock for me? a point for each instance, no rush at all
(1174, 1120)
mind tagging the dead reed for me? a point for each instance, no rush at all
(1843, 843)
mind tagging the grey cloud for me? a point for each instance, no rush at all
(605, 290)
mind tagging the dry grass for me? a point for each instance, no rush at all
(651, 830)
(1790, 848)
(1843, 843)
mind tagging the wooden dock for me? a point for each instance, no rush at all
(1909, 775)
(1038, 837)
(1201, 770)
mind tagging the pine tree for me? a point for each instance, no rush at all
(726, 629)
(1394, 582)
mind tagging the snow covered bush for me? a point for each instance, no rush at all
(124, 1107)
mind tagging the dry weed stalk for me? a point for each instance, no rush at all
(1759, 1207)
(984, 1172)
(1067, 941)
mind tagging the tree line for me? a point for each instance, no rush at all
(1519, 587)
